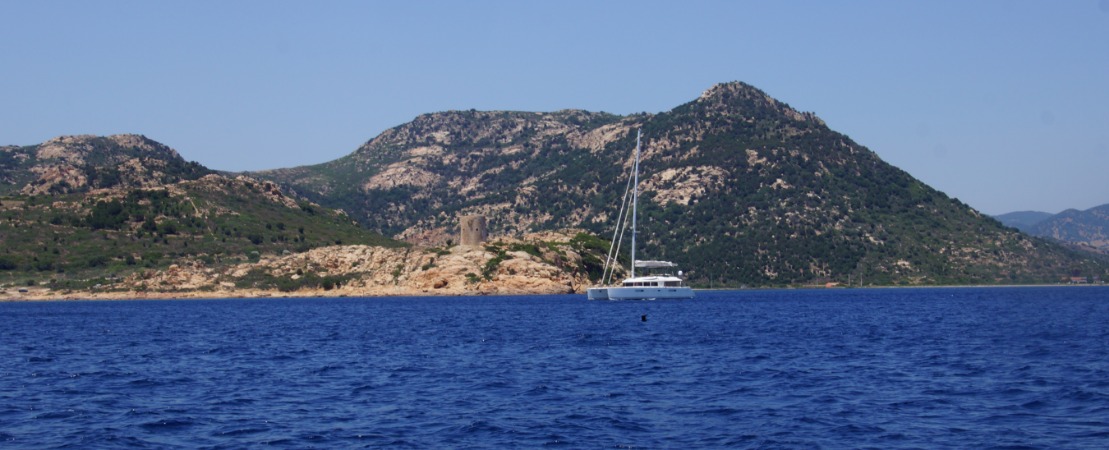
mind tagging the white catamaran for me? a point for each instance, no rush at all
(648, 287)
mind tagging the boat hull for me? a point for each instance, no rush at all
(639, 293)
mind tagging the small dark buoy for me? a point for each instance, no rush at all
(643, 318)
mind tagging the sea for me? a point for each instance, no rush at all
(979, 368)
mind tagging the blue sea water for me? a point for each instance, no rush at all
(881, 368)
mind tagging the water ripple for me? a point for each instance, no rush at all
(920, 368)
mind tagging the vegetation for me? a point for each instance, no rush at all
(80, 239)
(739, 189)
(491, 265)
(797, 202)
(94, 162)
(259, 279)
(593, 251)
(1089, 228)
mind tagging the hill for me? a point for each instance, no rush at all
(1088, 228)
(126, 217)
(1023, 220)
(79, 240)
(739, 187)
(78, 164)
(81, 211)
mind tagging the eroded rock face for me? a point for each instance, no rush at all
(401, 174)
(683, 184)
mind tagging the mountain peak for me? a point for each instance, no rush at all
(731, 88)
(737, 97)
(81, 145)
(79, 163)
(737, 185)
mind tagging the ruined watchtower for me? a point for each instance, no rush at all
(472, 230)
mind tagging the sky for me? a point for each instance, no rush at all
(1001, 104)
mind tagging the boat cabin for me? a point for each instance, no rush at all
(652, 283)
(664, 279)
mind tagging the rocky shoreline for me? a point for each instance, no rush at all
(536, 264)
(50, 295)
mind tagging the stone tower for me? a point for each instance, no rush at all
(473, 230)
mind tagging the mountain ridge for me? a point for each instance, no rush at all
(124, 216)
(1086, 228)
(738, 186)
(1023, 220)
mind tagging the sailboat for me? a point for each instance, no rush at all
(647, 287)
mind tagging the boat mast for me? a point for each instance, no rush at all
(635, 195)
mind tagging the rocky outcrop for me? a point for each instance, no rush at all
(536, 264)
(684, 184)
(69, 164)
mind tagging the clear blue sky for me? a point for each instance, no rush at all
(1003, 104)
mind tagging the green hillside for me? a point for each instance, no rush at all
(79, 240)
(82, 210)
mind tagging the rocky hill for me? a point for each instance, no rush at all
(1089, 228)
(76, 164)
(545, 263)
(1083, 230)
(739, 188)
(539, 263)
(82, 211)
(127, 217)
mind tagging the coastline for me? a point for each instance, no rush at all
(47, 295)
(364, 271)
(929, 286)
(32, 296)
